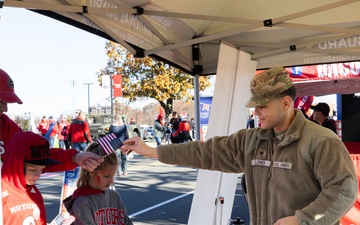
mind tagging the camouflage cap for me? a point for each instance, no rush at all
(266, 85)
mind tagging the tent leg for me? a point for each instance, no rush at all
(197, 71)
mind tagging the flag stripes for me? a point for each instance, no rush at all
(105, 143)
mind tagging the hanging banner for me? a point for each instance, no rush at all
(325, 79)
(205, 107)
(117, 85)
(105, 81)
(323, 71)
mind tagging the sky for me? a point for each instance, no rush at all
(44, 57)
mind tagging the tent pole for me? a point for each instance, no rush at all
(197, 106)
(197, 71)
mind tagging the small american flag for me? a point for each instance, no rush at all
(109, 143)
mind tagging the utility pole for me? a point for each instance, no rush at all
(111, 93)
(88, 84)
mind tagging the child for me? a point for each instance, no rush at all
(168, 133)
(29, 154)
(93, 202)
(136, 130)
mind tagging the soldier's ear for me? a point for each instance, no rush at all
(286, 102)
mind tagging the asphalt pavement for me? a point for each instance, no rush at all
(153, 192)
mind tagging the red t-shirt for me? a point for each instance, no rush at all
(43, 126)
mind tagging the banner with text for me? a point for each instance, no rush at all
(323, 71)
(117, 85)
(205, 108)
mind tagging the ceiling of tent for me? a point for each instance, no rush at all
(274, 32)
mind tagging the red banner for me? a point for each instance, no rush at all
(323, 71)
(117, 85)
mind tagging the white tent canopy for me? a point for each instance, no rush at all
(273, 32)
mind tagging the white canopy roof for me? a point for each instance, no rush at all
(274, 32)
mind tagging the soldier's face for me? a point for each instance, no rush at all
(271, 115)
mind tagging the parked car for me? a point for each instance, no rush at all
(146, 132)
(150, 132)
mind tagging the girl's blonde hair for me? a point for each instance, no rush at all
(109, 160)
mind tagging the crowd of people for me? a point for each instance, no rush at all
(177, 130)
(63, 133)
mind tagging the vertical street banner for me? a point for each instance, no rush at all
(69, 186)
(205, 107)
(105, 81)
(117, 85)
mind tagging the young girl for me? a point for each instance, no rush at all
(93, 203)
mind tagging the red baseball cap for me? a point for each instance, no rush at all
(7, 93)
(37, 148)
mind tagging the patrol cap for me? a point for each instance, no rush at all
(267, 85)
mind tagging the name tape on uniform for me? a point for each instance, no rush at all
(260, 162)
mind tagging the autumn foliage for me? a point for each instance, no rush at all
(147, 77)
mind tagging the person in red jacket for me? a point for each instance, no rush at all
(79, 133)
(183, 131)
(7, 127)
(22, 202)
(42, 127)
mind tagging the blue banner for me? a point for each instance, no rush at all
(205, 108)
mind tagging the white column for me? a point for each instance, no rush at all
(228, 114)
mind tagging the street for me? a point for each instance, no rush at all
(153, 193)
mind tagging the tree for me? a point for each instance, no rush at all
(147, 77)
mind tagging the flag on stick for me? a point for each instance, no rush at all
(109, 143)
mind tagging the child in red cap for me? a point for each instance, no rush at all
(29, 156)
